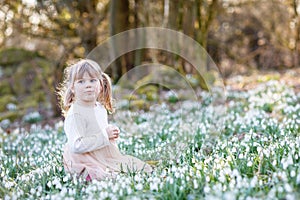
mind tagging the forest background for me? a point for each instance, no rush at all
(38, 39)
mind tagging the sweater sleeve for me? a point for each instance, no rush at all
(79, 141)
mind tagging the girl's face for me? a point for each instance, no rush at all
(86, 90)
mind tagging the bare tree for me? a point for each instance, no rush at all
(119, 21)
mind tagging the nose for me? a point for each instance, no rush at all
(88, 84)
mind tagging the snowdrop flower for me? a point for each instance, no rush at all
(207, 178)
(206, 189)
(235, 173)
(154, 184)
(32, 190)
(293, 173)
(233, 150)
(272, 193)
(49, 184)
(287, 187)
(229, 196)
(232, 184)
(280, 189)
(249, 163)
(8, 184)
(177, 174)
(259, 149)
(286, 162)
(298, 179)
(253, 181)
(222, 178)
(66, 178)
(139, 186)
(170, 180)
(290, 197)
(57, 184)
(5, 123)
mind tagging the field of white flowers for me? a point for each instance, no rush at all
(254, 154)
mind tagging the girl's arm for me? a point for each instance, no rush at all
(75, 128)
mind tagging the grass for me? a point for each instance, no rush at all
(252, 154)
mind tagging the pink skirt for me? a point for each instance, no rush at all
(101, 163)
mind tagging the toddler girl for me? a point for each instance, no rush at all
(91, 150)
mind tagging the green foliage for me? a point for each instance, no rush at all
(10, 115)
(172, 98)
(130, 97)
(5, 88)
(5, 99)
(148, 92)
(268, 77)
(267, 107)
(5, 111)
(139, 104)
(13, 56)
(32, 118)
(27, 80)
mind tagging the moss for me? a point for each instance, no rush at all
(6, 99)
(164, 76)
(39, 96)
(150, 88)
(9, 71)
(27, 76)
(11, 115)
(31, 75)
(12, 56)
(130, 97)
(5, 87)
(151, 96)
(29, 102)
(268, 77)
(139, 104)
(45, 65)
(150, 92)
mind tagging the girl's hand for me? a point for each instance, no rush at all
(112, 132)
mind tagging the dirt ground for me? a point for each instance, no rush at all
(289, 77)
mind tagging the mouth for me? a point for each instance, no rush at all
(89, 92)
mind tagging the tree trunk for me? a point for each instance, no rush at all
(205, 17)
(188, 21)
(173, 15)
(296, 50)
(119, 21)
(139, 54)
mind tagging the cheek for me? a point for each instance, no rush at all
(98, 88)
(76, 89)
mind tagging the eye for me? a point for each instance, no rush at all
(80, 81)
(94, 80)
